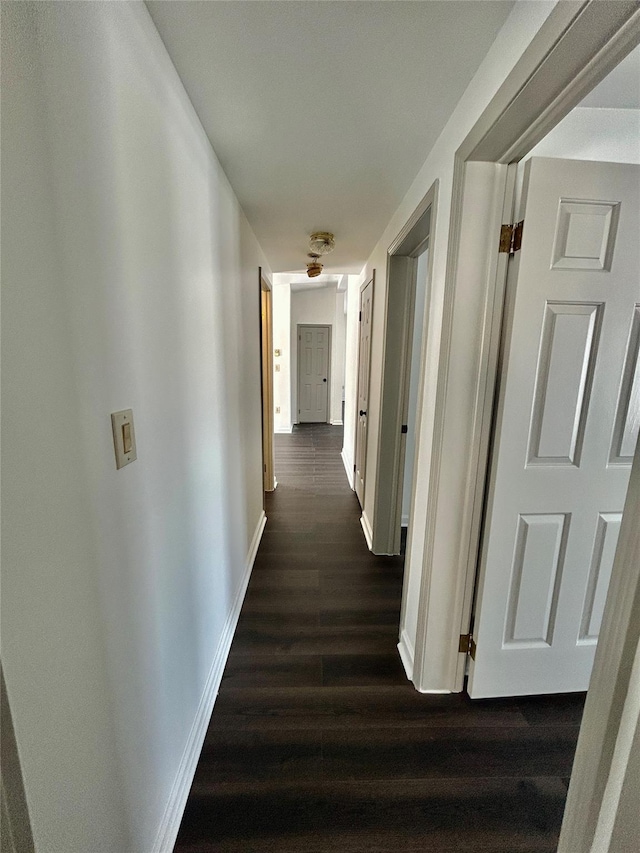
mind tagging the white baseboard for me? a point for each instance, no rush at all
(170, 824)
(368, 532)
(335, 422)
(284, 429)
(405, 647)
(348, 467)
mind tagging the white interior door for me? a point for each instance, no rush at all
(364, 367)
(313, 373)
(566, 428)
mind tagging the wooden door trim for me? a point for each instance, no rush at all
(266, 382)
(329, 327)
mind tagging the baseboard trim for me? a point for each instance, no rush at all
(336, 423)
(170, 824)
(368, 532)
(284, 429)
(348, 467)
(405, 647)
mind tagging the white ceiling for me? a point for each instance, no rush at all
(322, 113)
(619, 89)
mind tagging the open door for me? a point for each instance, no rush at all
(364, 367)
(266, 362)
(566, 426)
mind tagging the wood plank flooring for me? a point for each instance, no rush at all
(317, 741)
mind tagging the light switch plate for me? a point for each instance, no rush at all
(124, 437)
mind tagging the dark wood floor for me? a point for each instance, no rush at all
(318, 743)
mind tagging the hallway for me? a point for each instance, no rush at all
(317, 741)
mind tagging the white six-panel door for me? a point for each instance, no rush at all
(313, 373)
(567, 423)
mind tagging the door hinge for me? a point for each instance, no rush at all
(405, 428)
(511, 238)
(354, 469)
(467, 645)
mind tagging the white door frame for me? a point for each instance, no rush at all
(579, 44)
(402, 255)
(329, 359)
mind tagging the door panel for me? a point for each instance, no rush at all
(364, 367)
(313, 373)
(566, 425)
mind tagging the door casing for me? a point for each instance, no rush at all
(266, 382)
(402, 256)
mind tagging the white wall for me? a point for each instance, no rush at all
(282, 341)
(416, 353)
(521, 26)
(318, 306)
(130, 280)
(591, 133)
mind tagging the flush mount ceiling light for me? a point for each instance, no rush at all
(322, 242)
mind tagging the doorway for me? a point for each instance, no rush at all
(314, 373)
(382, 516)
(266, 386)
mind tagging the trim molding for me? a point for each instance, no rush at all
(366, 526)
(284, 429)
(348, 467)
(170, 823)
(335, 422)
(406, 650)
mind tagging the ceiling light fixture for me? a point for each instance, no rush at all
(322, 242)
(315, 267)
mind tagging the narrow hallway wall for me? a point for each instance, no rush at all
(130, 280)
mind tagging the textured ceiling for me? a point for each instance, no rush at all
(322, 113)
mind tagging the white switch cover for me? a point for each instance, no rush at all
(124, 437)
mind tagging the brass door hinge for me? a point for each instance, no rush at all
(511, 238)
(467, 645)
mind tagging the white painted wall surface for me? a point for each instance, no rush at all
(592, 133)
(416, 353)
(130, 280)
(522, 25)
(282, 341)
(317, 307)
